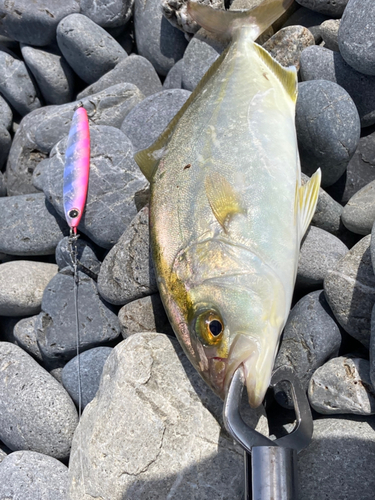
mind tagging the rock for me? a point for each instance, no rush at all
(16, 85)
(134, 69)
(173, 80)
(343, 385)
(3, 185)
(151, 404)
(372, 341)
(357, 36)
(53, 74)
(311, 336)
(334, 9)
(320, 251)
(91, 365)
(7, 324)
(85, 255)
(115, 184)
(37, 413)
(318, 63)
(24, 154)
(21, 286)
(144, 315)
(372, 247)
(359, 213)
(309, 19)
(177, 14)
(6, 115)
(337, 463)
(149, 118)
(328, 129)
(57, 374)
(87, 47)
(56, 325)
(30, 475)
(5, 143)
(287, 44)
(350, 291)
(108, 107)
(157, 40)
(127, 272)
(25, 337)
(34, 23)
(107, 13)
(329, 31)
(31, 226)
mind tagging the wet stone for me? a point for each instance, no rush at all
(24, 333)
(359, 213)
(127, 272)
(329, 31)
(173, 80)
(334, 9)
(149, 118)
(6, 114)
(107, 13)
(343, 385)
(85, 255)
(91, 365)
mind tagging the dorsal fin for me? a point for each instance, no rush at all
(223, 199)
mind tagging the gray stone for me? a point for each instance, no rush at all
(5, 143)
(134, 69)
(22, 284)
(309, 19)
(287, 44)
(7, 324)
(39, 170)
(37, 413)
(57, 374)
(108, 13)
(372, 345)
(91, 365)
(372, 247)
(6, 115)
(320, 251)
(115, 185)
(25, 336)
(318, 63)
(328, 129)
(56, 324)
(338, 462)
(30, 226)
(85, 255)
(30, 475)
(3, 184)
(342, 385)
(357, 36)
(87, 47)
(52, 73)
(350, 291)
(359, 213)
(173, 80)
(329, 31)
(127, 272)
(329, 8)
(157, 40)
(149, 118)
(108, 107)
(311, 336)
(177, 14)
(150, 406)
(3, 454)
(16, 85)
(144, 315)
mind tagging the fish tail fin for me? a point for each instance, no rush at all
(228, 22)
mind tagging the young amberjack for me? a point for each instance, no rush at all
(228, 211)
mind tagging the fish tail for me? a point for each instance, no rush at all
(229, 22)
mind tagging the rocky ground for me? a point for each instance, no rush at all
(151, 429)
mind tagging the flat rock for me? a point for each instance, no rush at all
(22, 284)
(87, 47)
(24, 333)
(56, 325)
(177, 13)
(107, 13)
(5, 143)
(173, 80)
(318, 63)
(328, 129)
(36, 411)
(115, 185)
(320, 251)
(85, 254)
(311, 336)
(309, 19)
(54, 76)
(16, 85)
(350, 291)
(134, 69)
(333, 9)
(330, 31)
(108, 107)
(91, 365)
(6, 114)
(127, 272)
(359, 213)
(343, 385)
(144, 315)
(357, 36)
(149, 118)
(151, 404)
(31, 226)
(34, 23)
(30, 475)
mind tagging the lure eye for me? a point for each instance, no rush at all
(73, 213)
(210, 328)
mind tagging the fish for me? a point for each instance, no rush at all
(77, 168)
(227, 208)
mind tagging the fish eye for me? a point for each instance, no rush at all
(73, 213)
(210, 328)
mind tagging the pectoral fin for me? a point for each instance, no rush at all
(223, 199)
(307, 200)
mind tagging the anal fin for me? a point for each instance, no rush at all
(307, 200)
